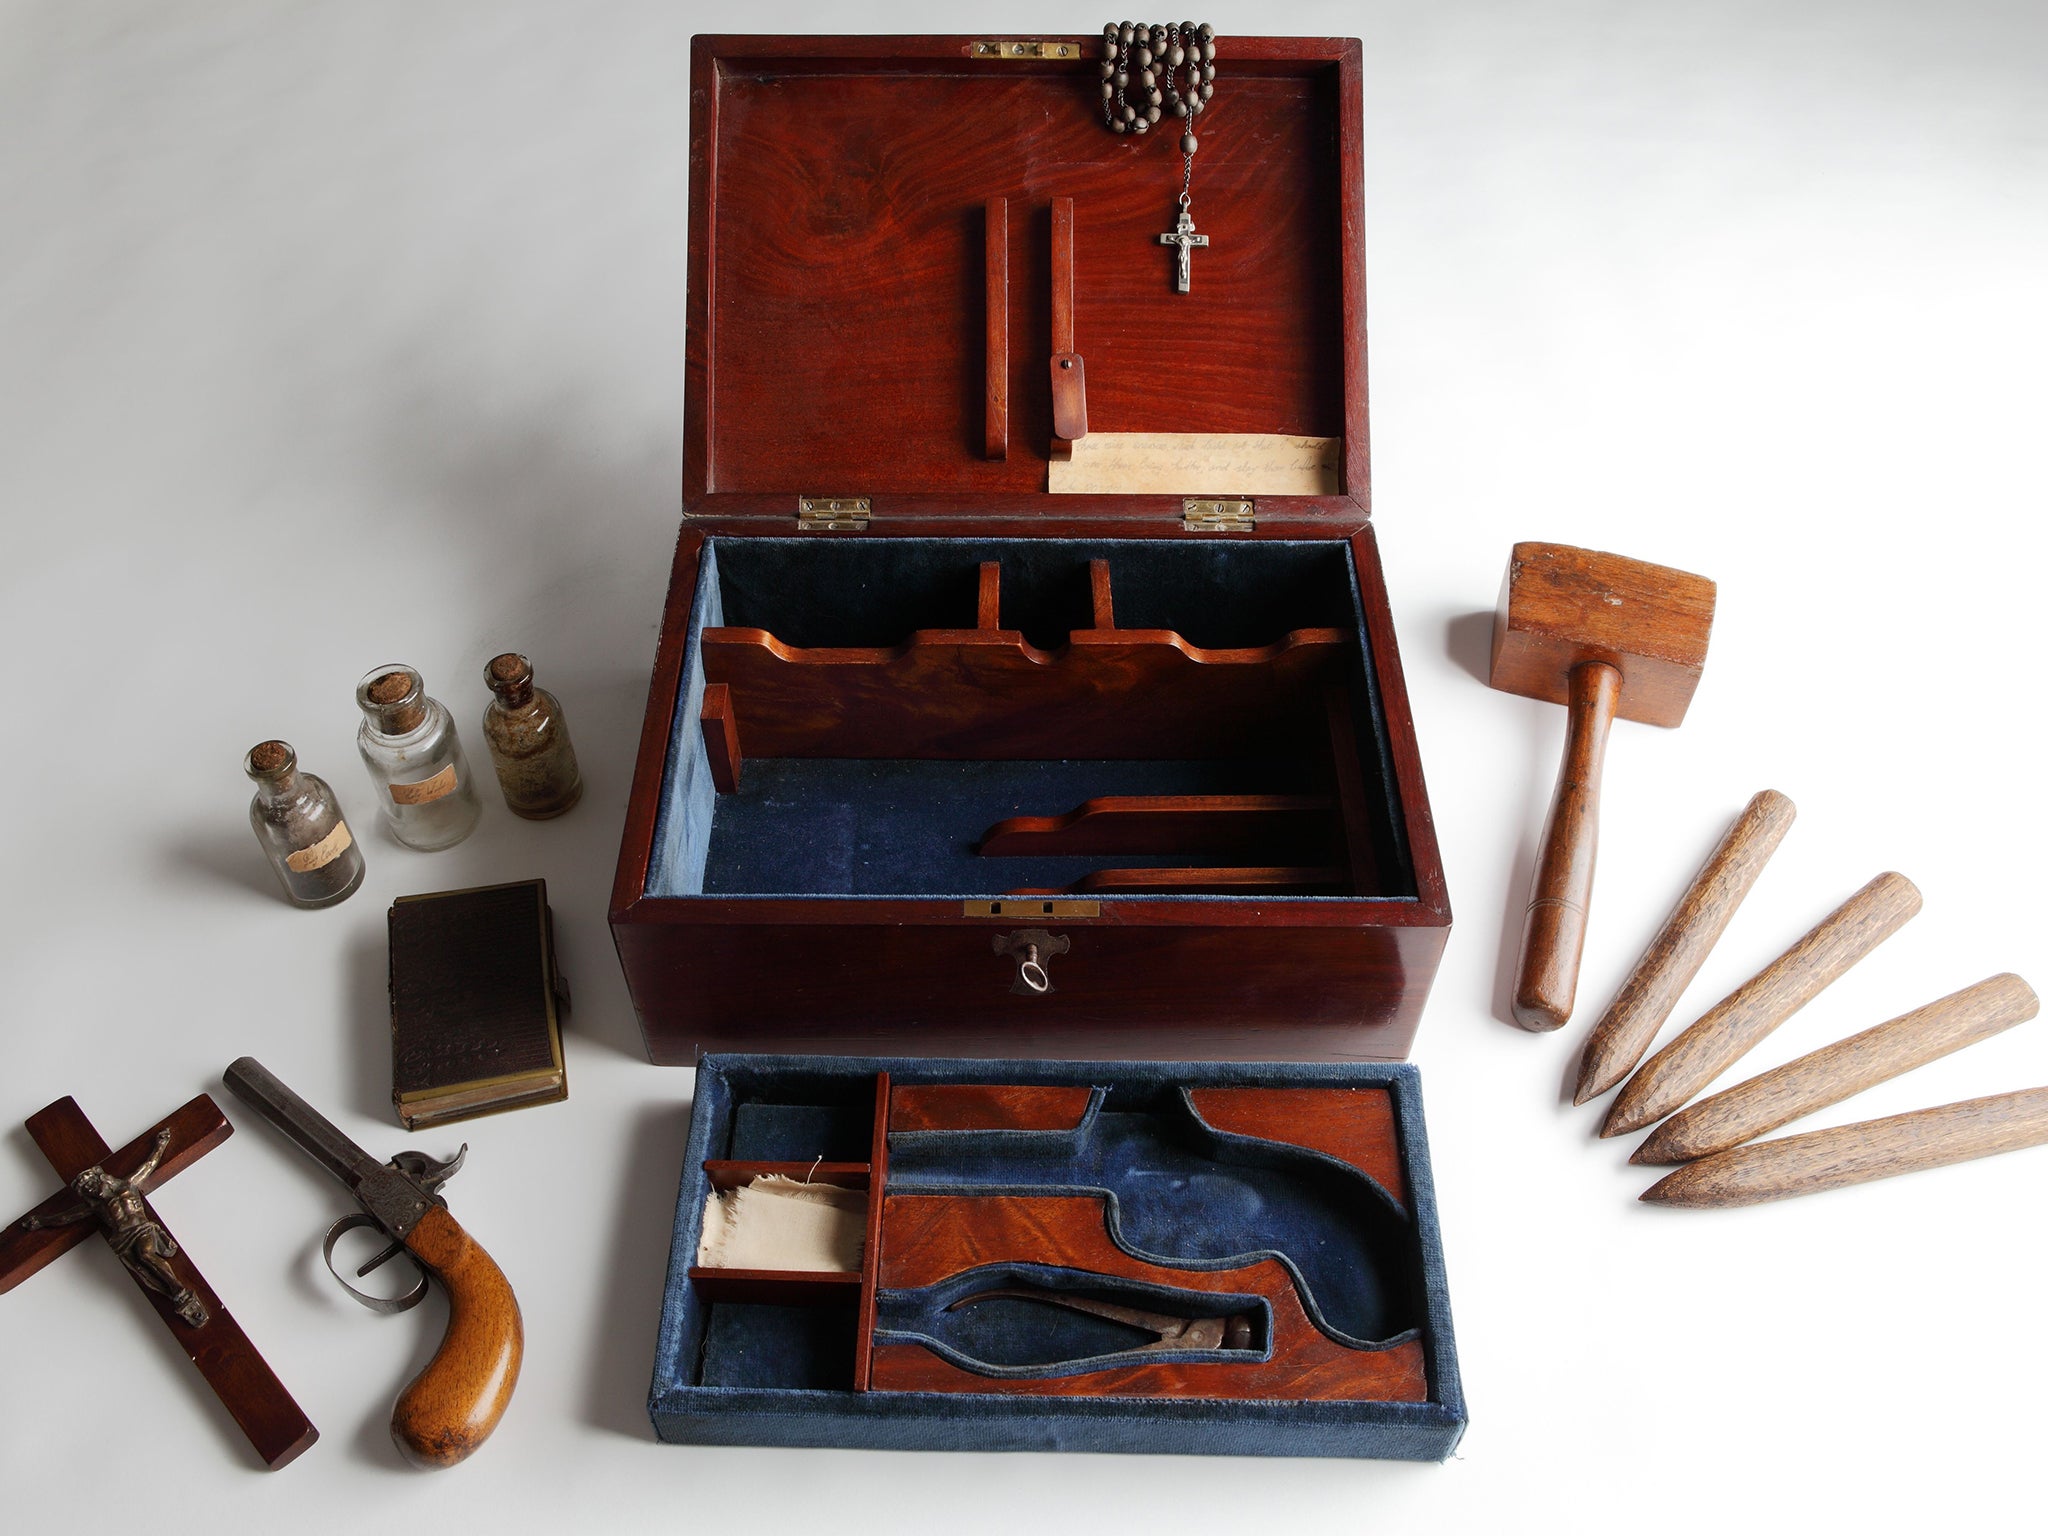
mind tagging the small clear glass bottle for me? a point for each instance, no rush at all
(415, 759)
(299, 823)
(529, 742)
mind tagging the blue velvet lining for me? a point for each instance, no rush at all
(765, 1377)
(1021, 1337)
(1181, 1193)
(832, 827)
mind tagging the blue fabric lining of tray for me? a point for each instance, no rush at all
(840, 827)
(754, 1374)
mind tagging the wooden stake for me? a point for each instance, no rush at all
(1727, 1030)
(1681, 947)
(1835, 1072)
(1859, 1153)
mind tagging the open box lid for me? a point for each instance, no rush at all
(873, 282)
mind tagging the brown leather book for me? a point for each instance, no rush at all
(475, 1003)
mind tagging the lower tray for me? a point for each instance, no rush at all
(1323, 1235)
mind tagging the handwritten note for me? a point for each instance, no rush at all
(1199, 464)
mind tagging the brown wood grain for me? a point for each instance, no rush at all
(1836, 1072)
(1165, 978)
(988, 600)
(731, 1173)
(1224, 826)
(927, 1238)
(1561, 892)
(721, 738)
(986, 1107)
(1561, 607)
(1725, 1032)
(451, 1407)
(1101, 597)
(779, 1287)
(1353, 1125)
(276, 1427)
(196, 1126)
(832, 180)
(1682, 945)
(871, 1247)
(996, 343)
(967, 694)
(1858, 1153)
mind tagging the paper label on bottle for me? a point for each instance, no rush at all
(1199, 464)
(442, 783)
(319, 855)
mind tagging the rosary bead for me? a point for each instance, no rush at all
(1145, 79)
(1180, 109)
(1140, 125)
(1208, 90)
(1120, 126)
(1124, 34)
(1176, 55)
(1122, 78)
(1195, 104)
(1187, 143)
(1155, 98)
(1208, 72)
(1206, 31)
(1151, 114)
(1144, 56)
(1130, 114)
(1108, 70)
(1108, 90)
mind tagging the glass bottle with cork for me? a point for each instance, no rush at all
(300, 826)
(529, 742)
(415, 759)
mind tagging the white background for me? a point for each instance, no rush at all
(333, 334)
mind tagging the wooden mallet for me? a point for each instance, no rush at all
(1604, 636)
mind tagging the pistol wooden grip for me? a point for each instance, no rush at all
(1554, 930)
(452, 1406)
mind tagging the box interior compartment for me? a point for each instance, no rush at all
(1016, 717)
(1294, 1199)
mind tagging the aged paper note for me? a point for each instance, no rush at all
(1199, 464)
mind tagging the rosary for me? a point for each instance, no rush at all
(1175, 67)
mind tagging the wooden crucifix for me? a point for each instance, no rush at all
(104, 1191)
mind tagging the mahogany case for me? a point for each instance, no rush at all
(940, 761)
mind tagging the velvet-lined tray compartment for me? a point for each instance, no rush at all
(813, 764)
(733, 1374)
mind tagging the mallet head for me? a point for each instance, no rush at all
(1560, 606)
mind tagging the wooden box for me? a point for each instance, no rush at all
(939, 758)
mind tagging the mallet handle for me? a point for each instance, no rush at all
(1554, 929)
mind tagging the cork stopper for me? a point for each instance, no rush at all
(510, 677)
(269, 759)
(394, 698)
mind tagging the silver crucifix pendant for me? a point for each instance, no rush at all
(1185, 237)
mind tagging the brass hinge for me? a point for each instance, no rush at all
(1030, 906)
(832, 514)
(1026, 50)
(1235, 514)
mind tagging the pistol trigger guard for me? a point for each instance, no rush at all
(387, 1304)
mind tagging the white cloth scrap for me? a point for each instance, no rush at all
(776, 1222)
